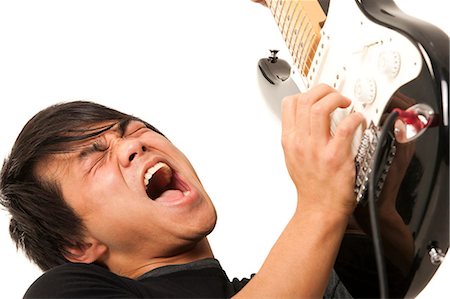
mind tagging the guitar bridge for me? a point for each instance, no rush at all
(364, 162)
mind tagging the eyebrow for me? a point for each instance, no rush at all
(123, 125)
(120, 127)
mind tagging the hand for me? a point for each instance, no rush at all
(321, 166)
(263, 2)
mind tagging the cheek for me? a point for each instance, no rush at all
(107, 180)
(96, 195)
(123, 226)
(111, 182)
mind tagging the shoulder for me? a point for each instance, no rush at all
(81, 280)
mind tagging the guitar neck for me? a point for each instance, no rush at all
(300, 22)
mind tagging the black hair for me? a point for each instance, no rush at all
(42, 224)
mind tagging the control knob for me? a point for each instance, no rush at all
(389, 63)
(365, 90)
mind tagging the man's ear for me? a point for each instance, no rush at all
(87, 252)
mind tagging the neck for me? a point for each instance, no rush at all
(300, 23)
(201, 250)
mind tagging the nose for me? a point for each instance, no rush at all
(130, 149)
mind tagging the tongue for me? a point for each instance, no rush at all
(170, 196)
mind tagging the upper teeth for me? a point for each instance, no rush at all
(152, 170)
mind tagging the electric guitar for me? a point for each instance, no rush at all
(384, 60)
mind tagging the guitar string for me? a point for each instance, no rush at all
(293, 23)
(302, 47)
(307, 46)
(281, 12)
(296, 33)
(293, 47)
(286, 17)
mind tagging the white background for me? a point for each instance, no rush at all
(189, 68)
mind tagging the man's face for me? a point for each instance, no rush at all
(135, 192)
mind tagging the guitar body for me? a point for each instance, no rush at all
(383, 59)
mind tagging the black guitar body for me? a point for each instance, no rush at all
(421, 199)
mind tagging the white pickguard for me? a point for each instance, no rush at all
(365, 61)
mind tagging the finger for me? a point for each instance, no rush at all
(316, 93)
(306, 101)
(288, 110)
(320, 115)
(345, 133)
(263, 2)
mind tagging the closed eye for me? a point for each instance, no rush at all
(96, 147)
(129, 126)
(93, 154)
(98, 150)
(100, 146)
(133, 128)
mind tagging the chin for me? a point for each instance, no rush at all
(205, 224)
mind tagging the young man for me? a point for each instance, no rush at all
(109, 207)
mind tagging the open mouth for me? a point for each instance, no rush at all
(159, 179)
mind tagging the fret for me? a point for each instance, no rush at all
(293, 17)
(306, 62)
(286, 17)
(312, 49)
(291, 46)
(306, 35)
(280, 13)
(300, 57)
(270, 6)
(275, 11)
(291, 43)
(280, 9)
(300, 34)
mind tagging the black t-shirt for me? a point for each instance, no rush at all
(200, 279)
